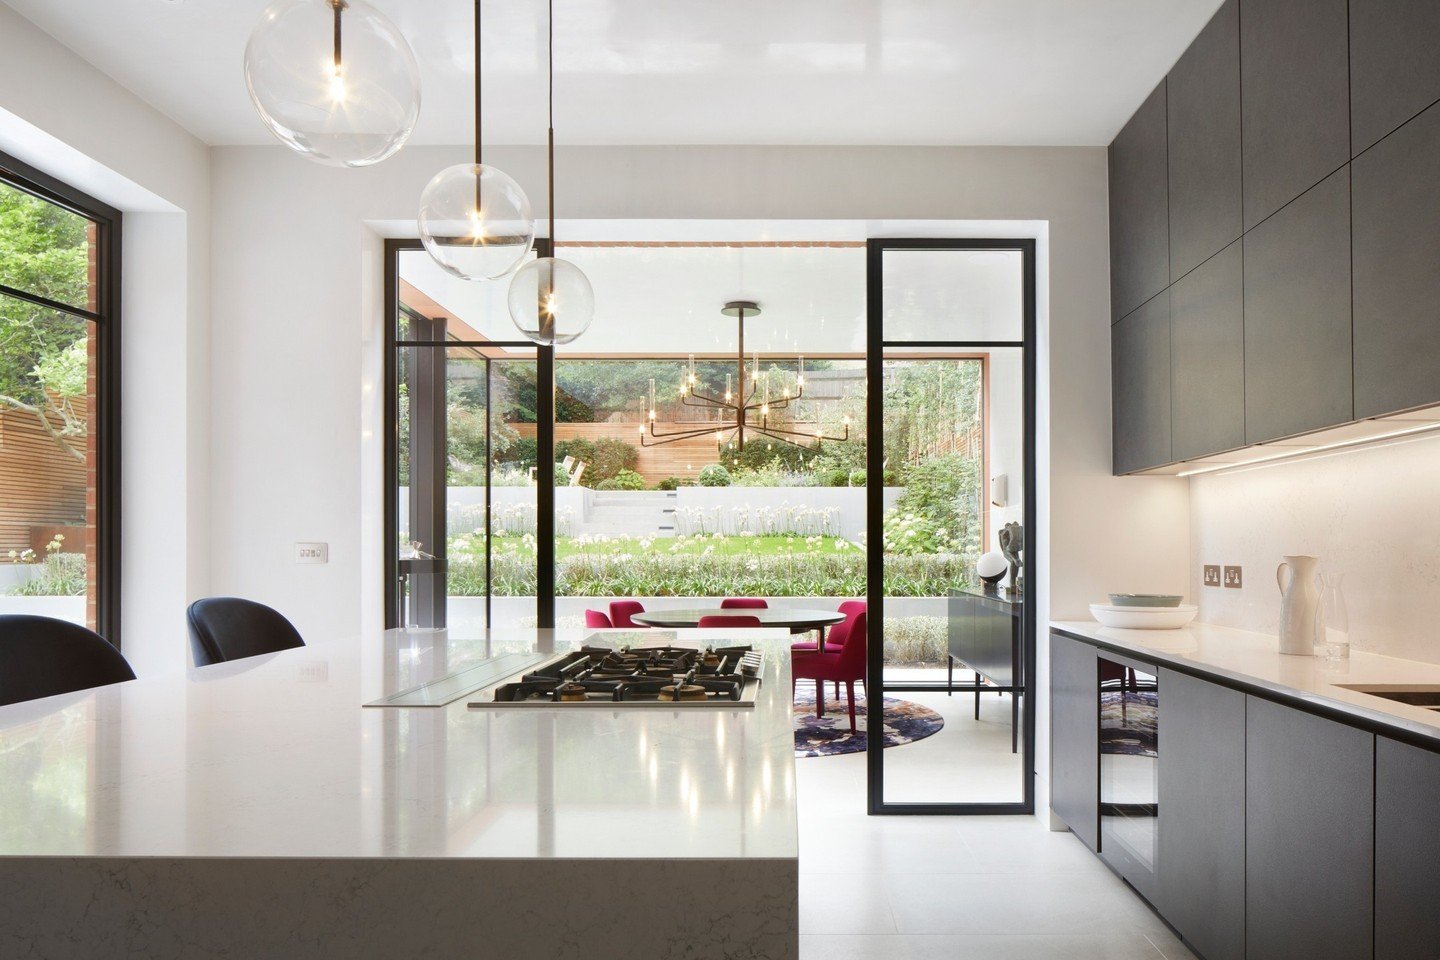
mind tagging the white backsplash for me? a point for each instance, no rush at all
(1371, 514)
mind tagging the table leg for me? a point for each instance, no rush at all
(949, 676)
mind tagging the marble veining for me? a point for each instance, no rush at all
(1254, 658)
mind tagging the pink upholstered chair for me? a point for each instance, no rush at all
(721, 620)
(744, 603)
(596, 620)
(835, 639)
(622, 610)
(846, 666)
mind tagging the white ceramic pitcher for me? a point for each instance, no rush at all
(1299, 599)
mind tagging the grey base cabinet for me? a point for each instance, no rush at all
(1075, 738)
(1201, 859)
(1309, 829)
(1407, 852)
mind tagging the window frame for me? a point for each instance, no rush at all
(105, 326)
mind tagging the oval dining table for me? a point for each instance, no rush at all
(797, 621)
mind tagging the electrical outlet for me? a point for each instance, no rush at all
(1212, 575)
(1232, 578)
(312, 553)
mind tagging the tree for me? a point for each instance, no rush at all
(44, 358)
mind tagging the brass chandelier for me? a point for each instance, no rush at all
(738, 405)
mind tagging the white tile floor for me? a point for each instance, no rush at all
(927, 888)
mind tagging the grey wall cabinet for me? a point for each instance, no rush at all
(1140, 378)
(1297, 316)
(1394, 69)
(1207, 357)
(1201, 861)
(1294, 57)
(1309, 817)
(1407, 848)
(1397, 282)
(1075, 737)
(1203, 108)
(1139, 221)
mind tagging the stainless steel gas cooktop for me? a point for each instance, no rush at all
(666, 676)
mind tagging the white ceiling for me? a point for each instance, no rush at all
(694, 71)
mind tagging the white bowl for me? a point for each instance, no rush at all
(1144, 618)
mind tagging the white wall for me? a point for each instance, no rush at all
(63, 116)
(1365, 513)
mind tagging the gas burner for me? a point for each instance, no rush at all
(637, 676)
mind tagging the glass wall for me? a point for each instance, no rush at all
(952, 417)
(56, 516)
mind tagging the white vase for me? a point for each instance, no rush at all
(1299, 598)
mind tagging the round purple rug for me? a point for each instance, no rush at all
(827, 736)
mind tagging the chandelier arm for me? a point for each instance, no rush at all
(681, 434)
(801, 433)
(660, 439)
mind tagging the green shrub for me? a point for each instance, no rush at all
(522, 450)
(857, 478)
(669, 483)
(916, 640)
(835, 477)
(626, 480)
(612, 457)
(562, 478)
(714, 475)
(599, 574)
(577, 447)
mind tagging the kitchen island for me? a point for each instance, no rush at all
(257, 809)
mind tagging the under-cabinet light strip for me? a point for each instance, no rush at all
(1306, 453)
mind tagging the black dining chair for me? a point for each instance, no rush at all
(43, 657)
(229, 628)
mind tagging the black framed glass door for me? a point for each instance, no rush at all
(950, 480)
(469, 533)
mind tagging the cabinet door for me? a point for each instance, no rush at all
(1407, 849)
(1394, 70)
(1201, 863)
(1203, 108)
(1295, 113)
(1297, 316)
(1397, 285)
(1075, 738)
(1139, 221)
(1207, 357)
(1309, 820)
(1140, 384)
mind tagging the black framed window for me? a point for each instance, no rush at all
(59, 401)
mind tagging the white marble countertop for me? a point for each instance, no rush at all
(274, 756)
(1254, 659)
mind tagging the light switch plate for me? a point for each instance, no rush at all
(1232, 578)
(1212, 574)
(312, 552)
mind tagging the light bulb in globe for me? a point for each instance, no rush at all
(551, 301)
(333, 80)
(475, 221)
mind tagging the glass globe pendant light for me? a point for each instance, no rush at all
(333, 80)
(475, 221)
(551, 300)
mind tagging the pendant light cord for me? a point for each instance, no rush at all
(550, 85)
(478, 99)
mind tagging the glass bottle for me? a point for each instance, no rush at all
(1332, 620)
